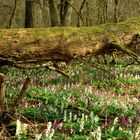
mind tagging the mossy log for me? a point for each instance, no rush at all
(36, 45)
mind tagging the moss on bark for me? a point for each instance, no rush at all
(65, 43)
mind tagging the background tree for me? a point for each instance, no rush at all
(46, 13)
(53, 13)
(63, 8)
(116, 10)
(102, 11)
(34, 9)
(80, 18)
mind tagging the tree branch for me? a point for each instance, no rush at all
(21, 94)
(2, 94)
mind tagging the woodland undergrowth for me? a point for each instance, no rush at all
(100, 102)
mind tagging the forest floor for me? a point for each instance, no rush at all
(101, 103)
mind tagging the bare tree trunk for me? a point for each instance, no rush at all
(34, 14)
(69, 14)
(116, 7)
(53, 14)
(102, 11)
(80, 13)
(12, 13)
(22, 93)
(18, 18)
(28, 17)
(88, 20)
(64, 5)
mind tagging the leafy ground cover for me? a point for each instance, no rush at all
(100, 103)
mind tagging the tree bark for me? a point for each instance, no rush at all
(18, 46)
(64, 6)
(34, 14)
(80, 13)
(53, 14)
(102, 11)
(116, 10)
(69, 14)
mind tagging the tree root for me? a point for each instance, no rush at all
(125, 50)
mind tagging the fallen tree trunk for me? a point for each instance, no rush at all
(18, 46)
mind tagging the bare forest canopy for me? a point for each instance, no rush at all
(19, 47)
(46, 13)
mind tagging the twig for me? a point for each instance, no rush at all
(6, 130)
(59, 71)
(125, 50)
(31, 124)
(21, 94)
(78, 13)
(92, 65)
(42, 66)
(2, 94)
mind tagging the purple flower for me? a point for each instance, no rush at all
(123, 121)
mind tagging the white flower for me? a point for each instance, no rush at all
(60, 125)
(91, 116)
(75, 117)
(120, 128)
(82, 123)
(115, 121)
(49, 131)
(97, 133)
(38, 136)
(49, 125)
(86, 101)
(71, 130)
(65, 115)
(112, 129)
(88, 89)
(70, 116)
(96, 119)
(51, 134)
(86, 117)
(92, 134)
(18, 128)
(21, 128)
(121, 75)
(137, 133)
